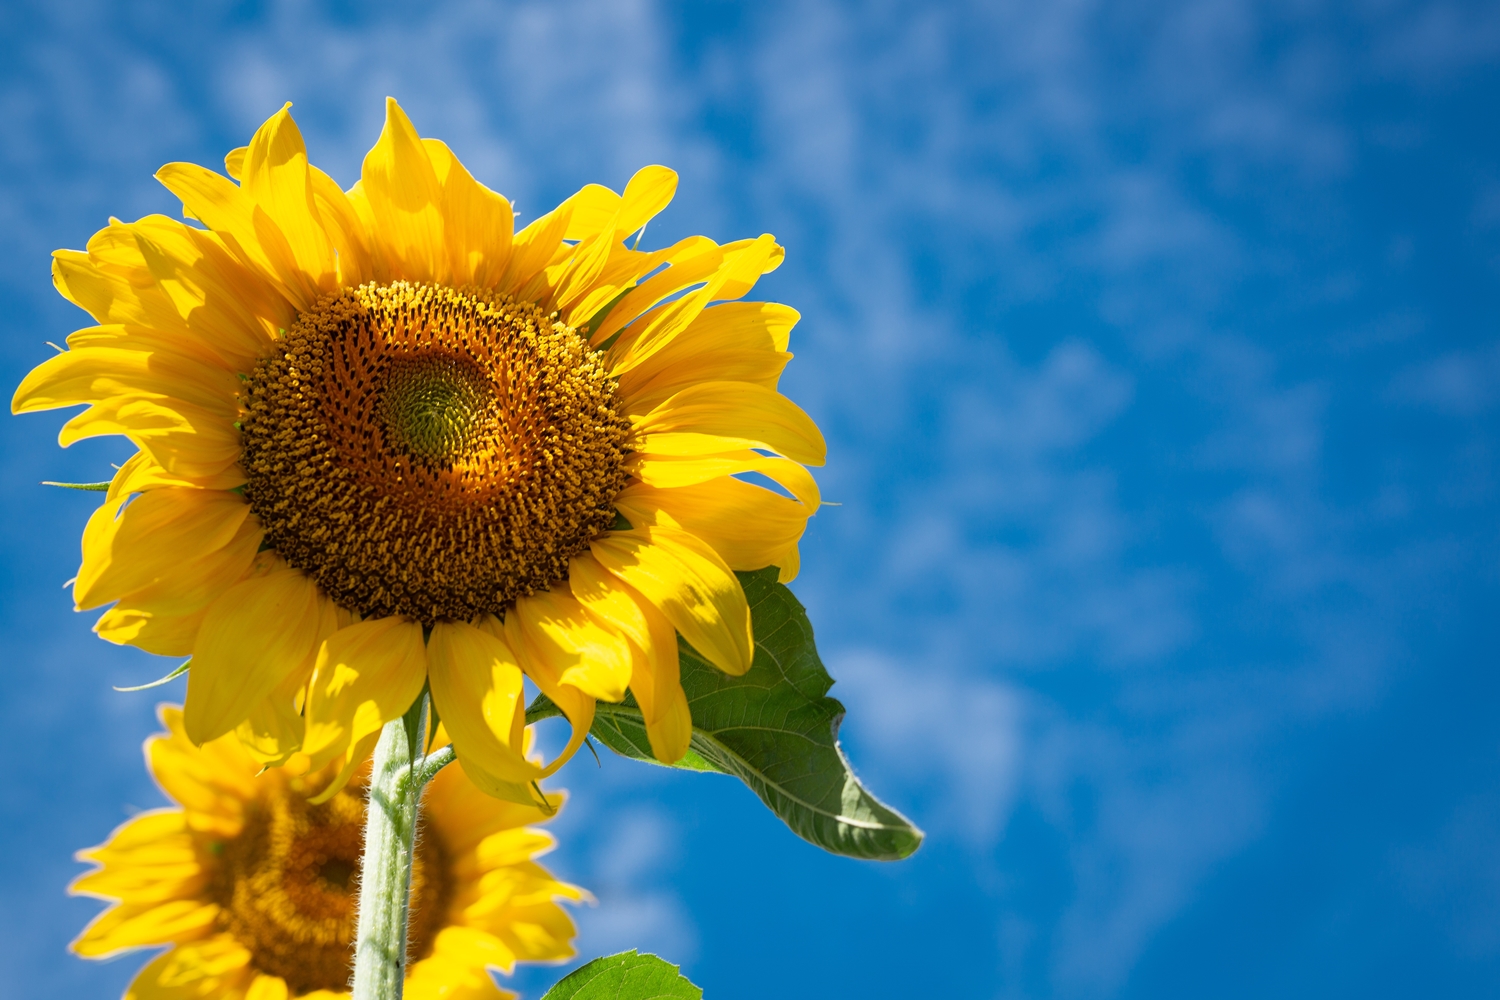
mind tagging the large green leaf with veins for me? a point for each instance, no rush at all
(626, 976)
(775, 729)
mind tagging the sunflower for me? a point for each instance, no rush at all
(251, 886)
(385, 442)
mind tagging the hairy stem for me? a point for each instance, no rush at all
(398, 773)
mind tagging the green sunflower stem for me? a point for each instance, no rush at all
(398, 773)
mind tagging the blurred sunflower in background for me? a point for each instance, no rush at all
(252, 887)
(385, 442)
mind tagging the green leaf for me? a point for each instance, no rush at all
(626, 976)
(775, 728)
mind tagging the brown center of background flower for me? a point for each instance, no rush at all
(431, 452)
(289, 882)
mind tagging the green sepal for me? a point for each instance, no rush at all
(775, 729)
(91, 487)
(178, 672)
(626, 976)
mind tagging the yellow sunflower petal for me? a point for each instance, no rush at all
(245, 228)
(690, 261)
(730, 342)
(406, 200)
(578, 651)
(538, 932)
(275, 174)
(203, 970)
(89, 375)
(478, 224)
(256, 633)
(478, 689)
(439, 977)
(658, 690)
(111, 297)
(473, 948)
(533, 250)
(275, 728)
(714, 417)
(748, 525)
(182, 438)
(164, 617)
(212, 783)
(669, 471)
(228, 308)
(147, 542)
(654, 671)
(264, 987)
(123, 927)
(345, 227)
(366, 675)
(544, 671)
(466, 819)
(648, 193)
(688, 582)
(734, 276)
(151, 859)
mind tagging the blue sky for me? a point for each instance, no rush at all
(1157, 350)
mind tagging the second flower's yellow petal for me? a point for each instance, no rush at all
(123, 927)
(254, 635)
(684, 578)
(367, 674)
(438, 977)
(150, 859)
(212, 783)
(264, 987)
(203, 970)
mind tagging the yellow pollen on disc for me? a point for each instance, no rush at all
(430, 451)
(288, 883)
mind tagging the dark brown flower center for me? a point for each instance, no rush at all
(431, 452)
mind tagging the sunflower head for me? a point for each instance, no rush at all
(385, 440)
(252, 886)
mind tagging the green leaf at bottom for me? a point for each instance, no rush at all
(775, 728)
(626, 976)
